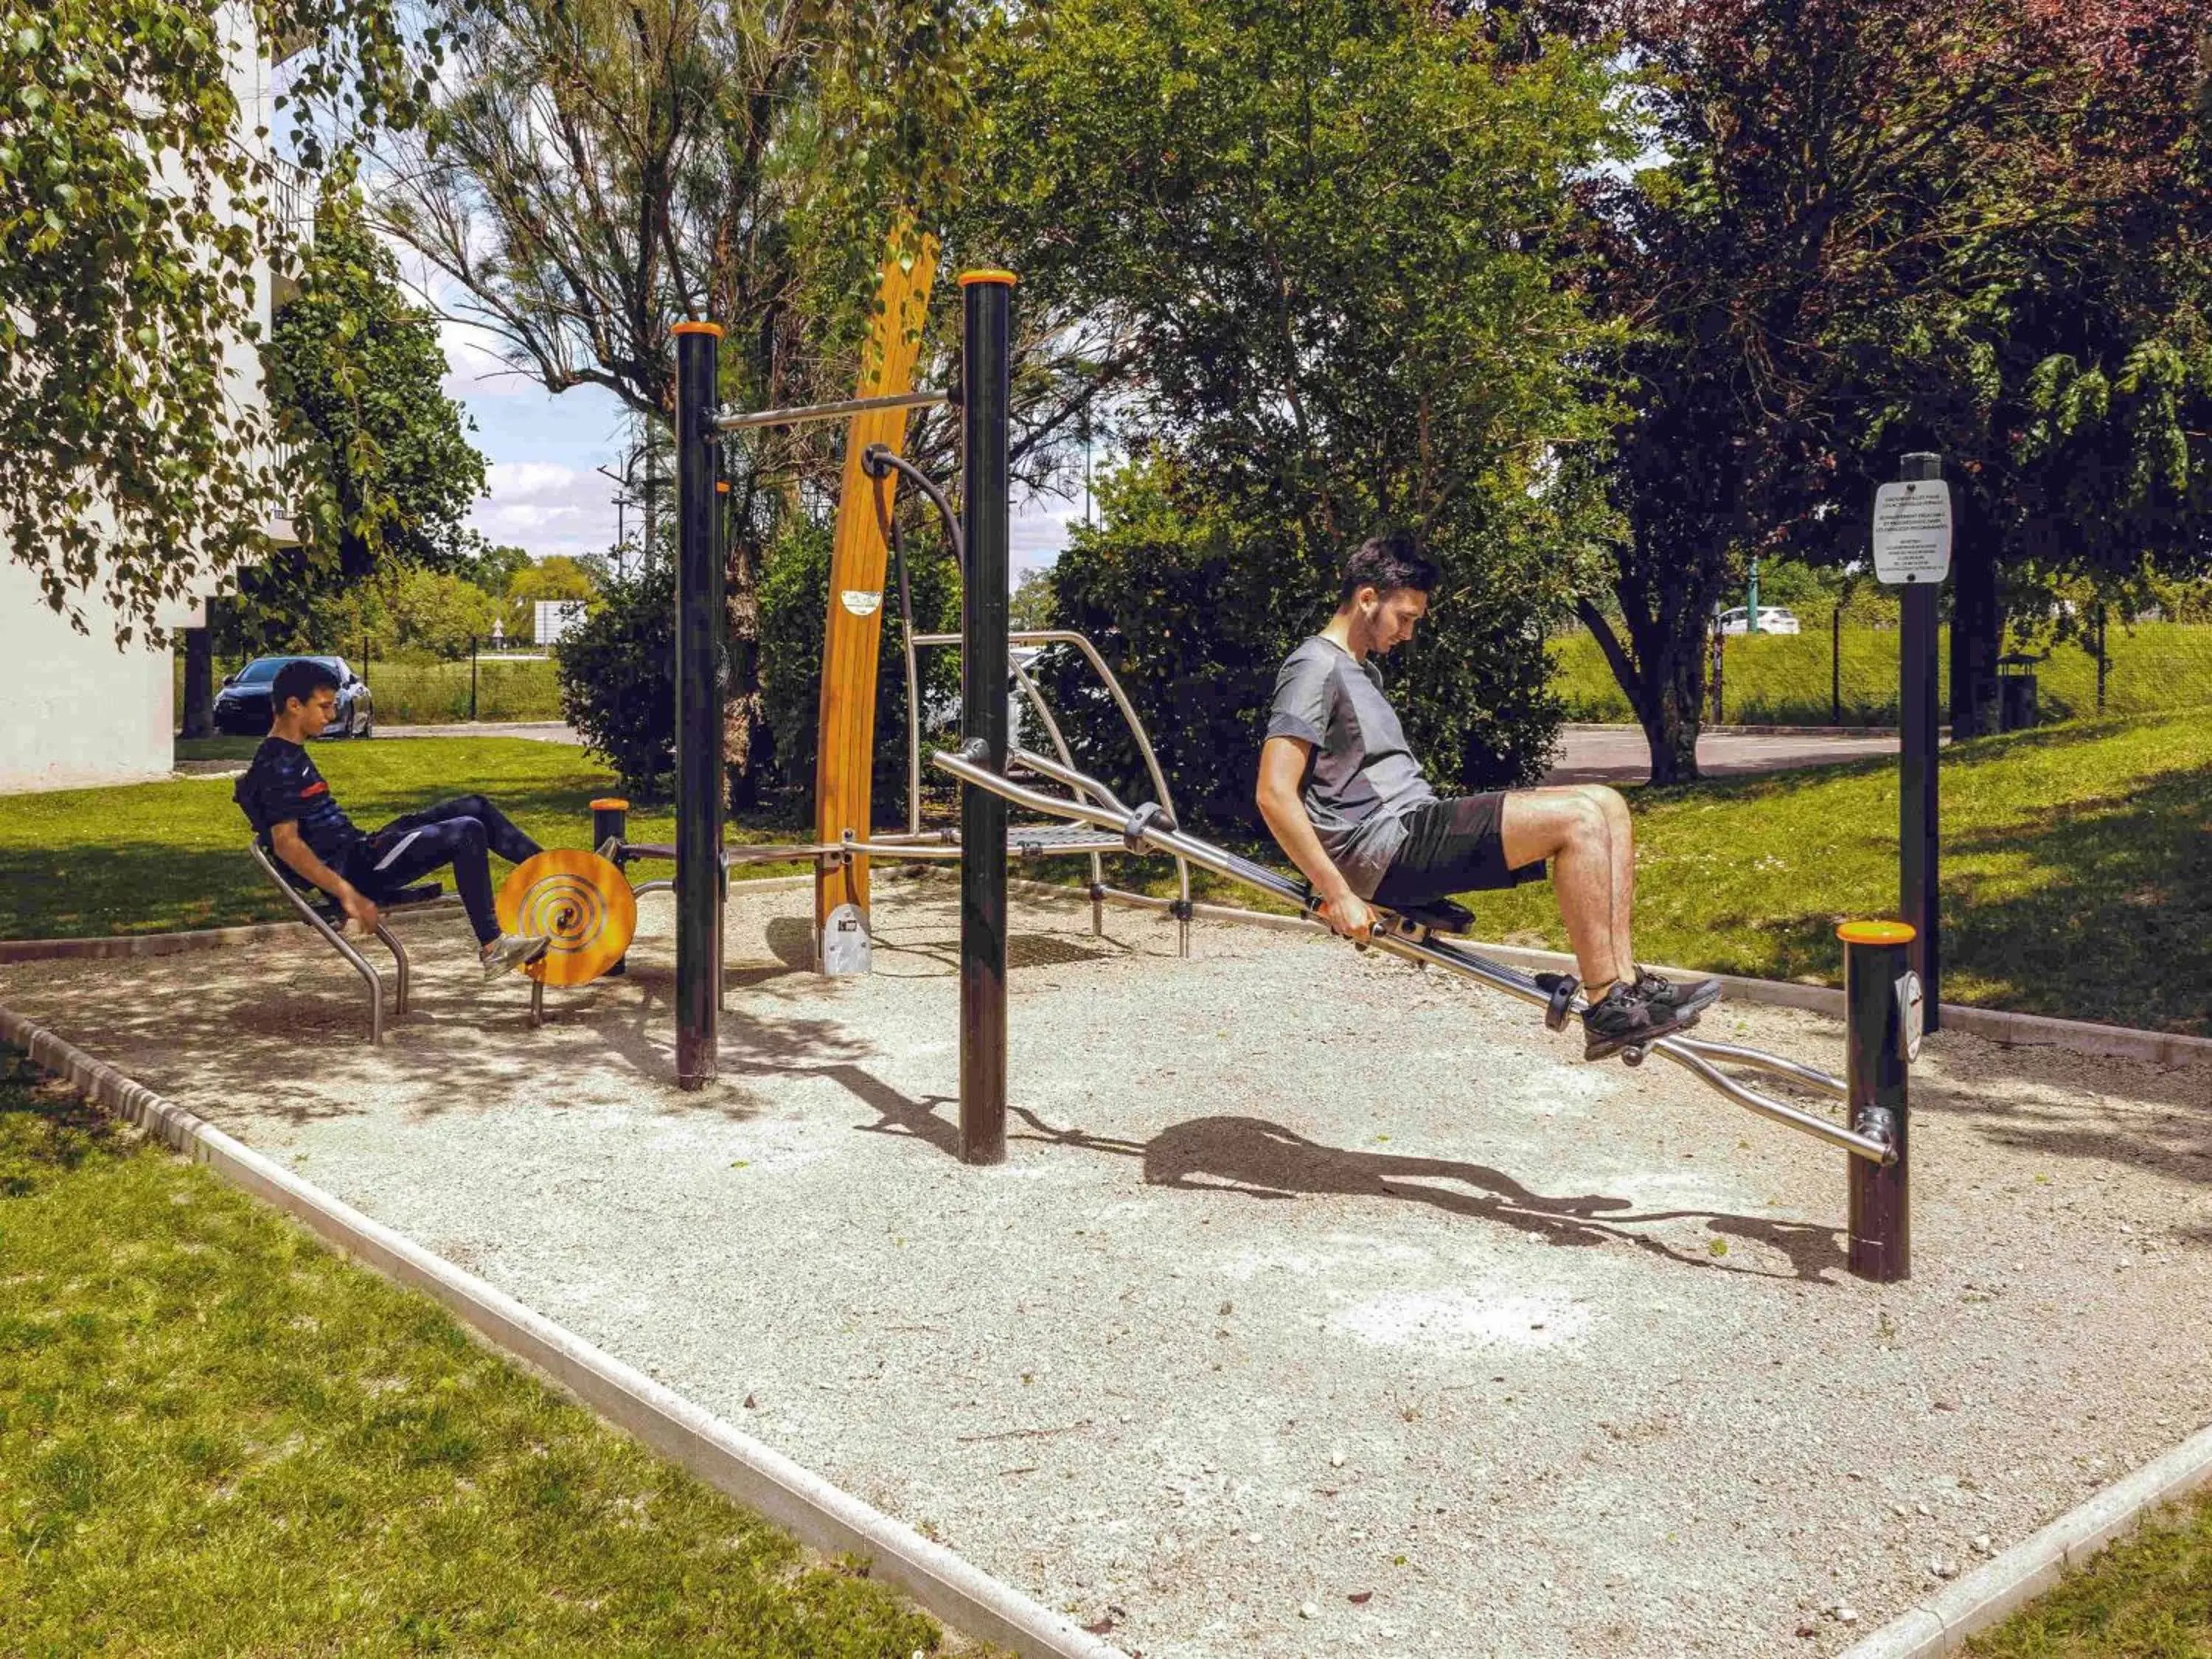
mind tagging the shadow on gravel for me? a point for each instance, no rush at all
(1251, 1157)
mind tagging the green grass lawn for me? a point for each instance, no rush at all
(2147, 1597)
(217, 1437)
(1783, 679)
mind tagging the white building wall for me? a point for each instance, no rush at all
(75, 710)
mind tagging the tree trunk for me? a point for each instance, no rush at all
(198, 713)
(1665, 684)
(1977, 629)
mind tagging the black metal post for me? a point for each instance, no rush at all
(611, 823)
(2103, 662)
(1917, 804)
(1877, 1006)
(1836, 665)
(699, 610)
(473, 676)
(985, 512)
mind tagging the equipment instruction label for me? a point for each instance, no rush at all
(1913, 531)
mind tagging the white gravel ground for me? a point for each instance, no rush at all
(1323, 1307)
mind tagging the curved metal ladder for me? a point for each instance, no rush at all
(882, 465)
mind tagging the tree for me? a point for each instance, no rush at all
(387, 472)
(591, 177)
(1331, 234)
(1883, 225)
(493, 567)
(554, 577)
(1030, 605)
(131, 215)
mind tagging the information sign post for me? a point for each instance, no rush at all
(1912, 546)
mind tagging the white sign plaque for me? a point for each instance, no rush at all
(1912, 1009)
(1913, 531)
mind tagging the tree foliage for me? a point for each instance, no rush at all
(1882, 226)
(1331, 233)
(618, 673)
(592, 175)
(134, 207)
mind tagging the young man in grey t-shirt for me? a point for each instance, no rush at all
(1346, 799)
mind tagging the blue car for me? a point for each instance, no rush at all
(241, 707)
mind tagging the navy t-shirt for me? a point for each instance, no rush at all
(283, 786)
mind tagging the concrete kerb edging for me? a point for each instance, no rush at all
(2078, 1036)
(1994, 1592)
(755, 1474)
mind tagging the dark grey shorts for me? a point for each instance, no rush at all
(1454, 845)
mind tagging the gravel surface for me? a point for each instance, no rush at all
(1322, 1307)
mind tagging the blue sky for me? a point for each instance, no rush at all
(545, 493)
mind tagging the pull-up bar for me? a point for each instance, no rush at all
(805, 414)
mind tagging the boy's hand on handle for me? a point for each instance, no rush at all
(361, 909)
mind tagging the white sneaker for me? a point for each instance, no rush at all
(510, 952)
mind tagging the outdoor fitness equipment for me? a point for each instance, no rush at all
(867, 536)
(1881, 996)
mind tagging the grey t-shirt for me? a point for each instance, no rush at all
(1362, 780)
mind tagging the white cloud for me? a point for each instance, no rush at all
(474, 367)
(547, 509)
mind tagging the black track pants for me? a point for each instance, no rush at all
(461, 832)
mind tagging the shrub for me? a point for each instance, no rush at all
(794, 597)
(618, 670)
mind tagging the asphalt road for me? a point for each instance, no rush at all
(1619, 754)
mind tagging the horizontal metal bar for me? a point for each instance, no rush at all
(902, 849)
(803, 414)
(1457, 958)
(735, 853)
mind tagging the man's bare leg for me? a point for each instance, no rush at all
(1585, 832)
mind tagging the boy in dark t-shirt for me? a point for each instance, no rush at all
(293, 814)
(1345, 798)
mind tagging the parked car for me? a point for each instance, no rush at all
(241, 707)
(1773, 619)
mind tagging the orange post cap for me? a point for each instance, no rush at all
(1877, 932)
(1005, 277)
(695, 327)
(610, 804)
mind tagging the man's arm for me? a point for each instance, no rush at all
(285, 839)
(1282, 769)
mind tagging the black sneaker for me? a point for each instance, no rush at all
(1689, 999)
(1629, 1018)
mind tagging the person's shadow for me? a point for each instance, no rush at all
(1251, 1157)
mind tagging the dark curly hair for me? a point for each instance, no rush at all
(1386, 563)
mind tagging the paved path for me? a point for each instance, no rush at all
(536, 731)
(1619, 754)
